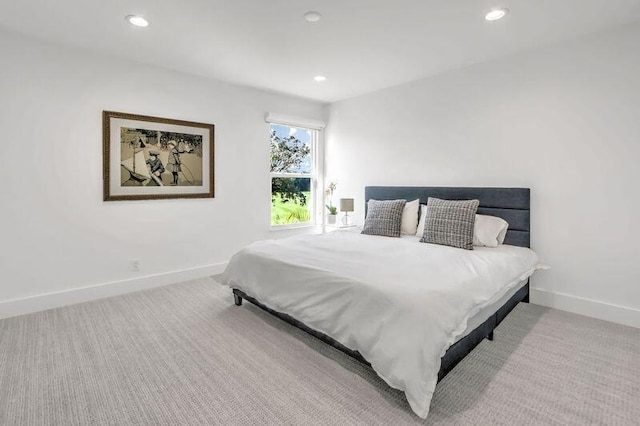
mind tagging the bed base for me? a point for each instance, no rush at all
(451, 358)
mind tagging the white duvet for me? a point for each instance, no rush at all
(398, 302)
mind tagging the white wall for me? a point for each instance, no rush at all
(58, 234)
(564, 121)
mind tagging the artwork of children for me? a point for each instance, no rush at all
(148, 158)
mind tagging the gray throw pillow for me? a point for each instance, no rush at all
(384, 218)
(450, 223)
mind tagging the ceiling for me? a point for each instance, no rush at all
(359, 45)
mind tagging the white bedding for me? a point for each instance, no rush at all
(483, 314)
(398, 302)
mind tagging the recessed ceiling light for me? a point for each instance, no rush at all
(312, 16)
(496, 14)
(319, 78)
(138, 21)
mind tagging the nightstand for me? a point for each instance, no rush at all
(338, 226)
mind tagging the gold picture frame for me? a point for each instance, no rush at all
(153, 158)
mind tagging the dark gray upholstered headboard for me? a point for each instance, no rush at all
(511, 204)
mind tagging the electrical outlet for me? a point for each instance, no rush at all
(134, 265)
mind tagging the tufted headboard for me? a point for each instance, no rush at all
(511, 204)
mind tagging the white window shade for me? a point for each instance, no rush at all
(290, 120)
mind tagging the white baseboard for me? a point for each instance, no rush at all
(41, 302)
(591, 308)
(13, 307)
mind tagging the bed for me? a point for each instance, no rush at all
(411, 311)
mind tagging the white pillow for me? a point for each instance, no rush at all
(410, 217)
(423, 211)
(489, 231)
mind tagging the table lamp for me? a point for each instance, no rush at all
(346, 206)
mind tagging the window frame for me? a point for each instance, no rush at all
(314, 176)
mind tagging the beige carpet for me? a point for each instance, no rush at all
(184, 354)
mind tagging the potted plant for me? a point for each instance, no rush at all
(333, 214)
(333, 211)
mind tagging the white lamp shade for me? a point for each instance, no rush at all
(346, 204)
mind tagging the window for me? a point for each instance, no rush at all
(293, 175)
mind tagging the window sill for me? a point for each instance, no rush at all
(293, 227)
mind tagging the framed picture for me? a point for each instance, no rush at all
(150, 158)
